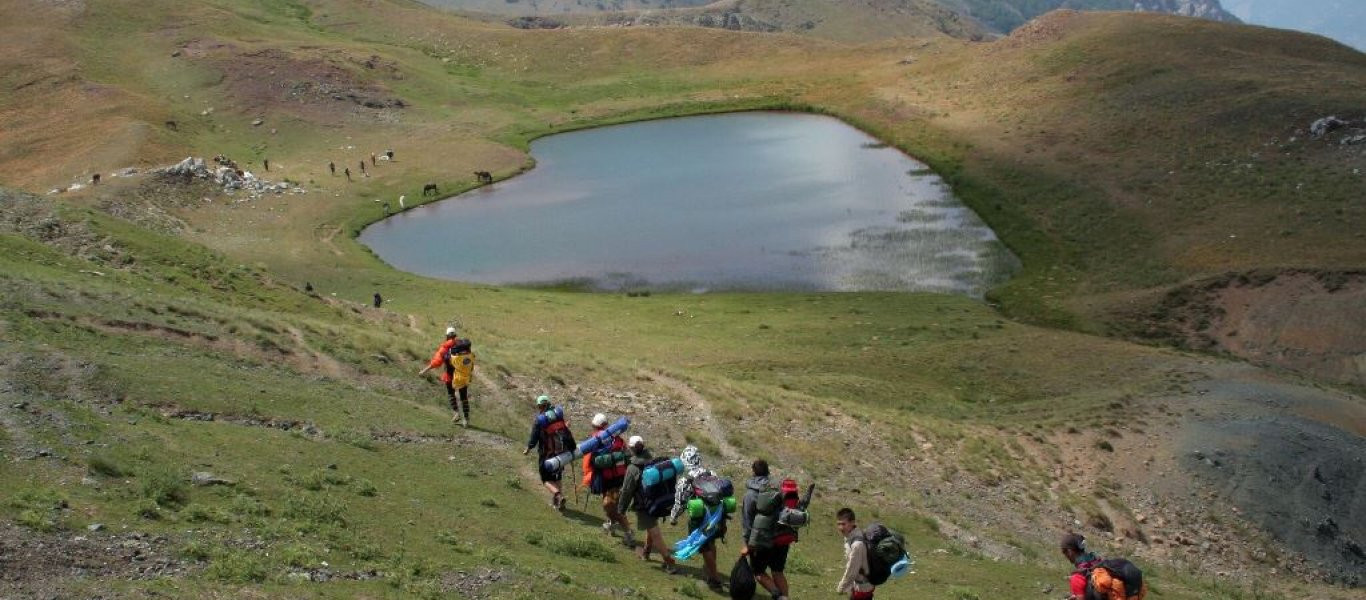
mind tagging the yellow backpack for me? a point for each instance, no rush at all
(462, 364)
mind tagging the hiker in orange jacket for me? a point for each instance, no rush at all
(440, 359)
(603, 473)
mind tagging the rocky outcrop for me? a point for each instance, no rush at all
(227, 174)
(1204, 9)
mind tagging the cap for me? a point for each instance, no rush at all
(450, 331)
(636, 441)
(599, 420)
(1074, 541)
(543, 400)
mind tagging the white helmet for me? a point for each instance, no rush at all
(599, 420)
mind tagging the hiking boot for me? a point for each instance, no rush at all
(670, 568)
(628, 538)
(560, 504)
(716, 585)
(465, 421)
(607, 528)
(455, 418)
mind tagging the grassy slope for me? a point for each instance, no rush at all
(1092, 144)
(950, 364)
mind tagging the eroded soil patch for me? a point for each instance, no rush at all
(1312, 322)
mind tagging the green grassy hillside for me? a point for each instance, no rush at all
(153, 330)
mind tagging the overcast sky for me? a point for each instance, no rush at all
(1342, 20)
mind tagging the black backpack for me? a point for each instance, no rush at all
(657, 500)
(885, 548)
(712, 488)
(1120, 569)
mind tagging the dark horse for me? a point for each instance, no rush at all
(484, 177)
(430, 188)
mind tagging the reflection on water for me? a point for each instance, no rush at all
(748, 201)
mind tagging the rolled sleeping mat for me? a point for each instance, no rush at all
(729, 504)
(670, 470)
(602, 439)
(556, 463)
(696, 508)
(599, 440)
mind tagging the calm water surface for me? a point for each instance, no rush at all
(747, 201)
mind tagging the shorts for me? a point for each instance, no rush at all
(765, 559)
(551, 476)
(857, 595)
(708, 546)
(645, 522)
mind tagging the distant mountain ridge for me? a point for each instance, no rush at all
(1005, 15)
(840, 19)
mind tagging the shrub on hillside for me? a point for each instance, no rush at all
(582, 547)
(166, 488)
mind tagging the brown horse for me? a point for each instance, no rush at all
(484, 177)
(431, 187)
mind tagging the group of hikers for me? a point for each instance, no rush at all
(630, 479)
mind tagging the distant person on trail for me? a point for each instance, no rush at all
(855, 578)
(551, 436)
(348, 173)
(265, 162)
(389, 154)
(764, 554)
(331, 166)
(379, 300)
(637, 495)
(684, 491)
(372, 159)
(603, 473)
(1095, 578)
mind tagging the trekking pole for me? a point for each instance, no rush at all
(574, 472)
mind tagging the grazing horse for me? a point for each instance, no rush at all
(431, 187)
(484, 177)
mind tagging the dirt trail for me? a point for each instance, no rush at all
(326, 233)
(701, 406)
(321, 362)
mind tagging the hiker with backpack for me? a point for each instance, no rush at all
(648, 489)
(456, 377)
(872, 556)
(702, 493)
(603, 473)
(551, 437)
(855, 578)
(770, 517)
(1096, 578)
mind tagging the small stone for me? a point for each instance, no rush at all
(95, 527)
(257, 122)
(204, 478)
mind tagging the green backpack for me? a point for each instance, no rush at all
(775, 524)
